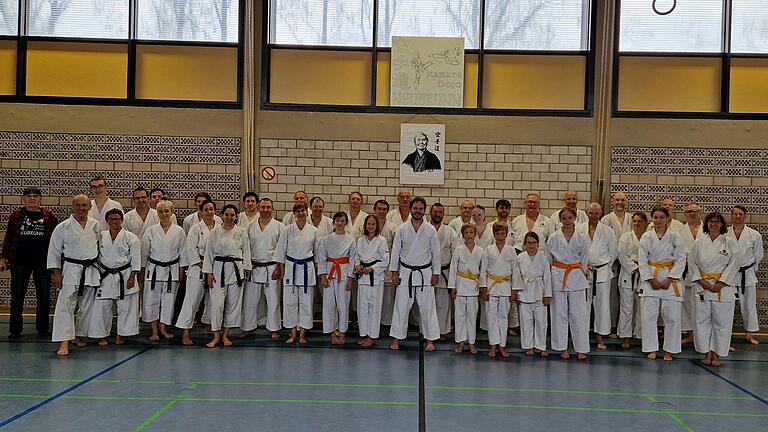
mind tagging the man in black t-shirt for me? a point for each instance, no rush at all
(24, 252)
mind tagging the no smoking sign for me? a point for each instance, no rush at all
(268, 173)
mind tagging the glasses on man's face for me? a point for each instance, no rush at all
(100, 186)
(692, 211)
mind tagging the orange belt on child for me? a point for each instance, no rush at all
(716, 277)
(658, 265)
(336, 267)
(568, 268)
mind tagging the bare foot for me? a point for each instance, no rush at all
(613, 336)
(581, 356)
(716, 362)
(492, 351)
(752, 340)
(363, 341)
(651, 356)
(565, 355)
(395, 345)
(731, 349)
(244, 334)
(334, 339)
(472, 349)
(275, 335)
(302, 340)
(503, 352)
(342, 339)
(368, 343)
(103, 342)
(80, 343)
(207, 329)
(430, 346)
(187, 341)
(707, 360)
(512, 332)
(688, 338)
(601, 346)
(529, 352)
(544, 354)
(625, 345)
(154, 338)
(215, 341)
(227, 342)
(668, 357)
(63, 349)
(459, 348)
(166, 334)
(291, 339)
(119, 340)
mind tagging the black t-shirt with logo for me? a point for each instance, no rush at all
(32, 247)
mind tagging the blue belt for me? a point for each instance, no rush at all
(304, 262)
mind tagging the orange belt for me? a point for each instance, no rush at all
(336, 267)
(658, 265)
(568, 268)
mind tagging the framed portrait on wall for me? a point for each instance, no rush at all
(422, 154)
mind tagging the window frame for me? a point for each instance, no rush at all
(268, 47)
(725, 57)
(131, 43)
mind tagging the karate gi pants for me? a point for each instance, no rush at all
(601, 305)
(533, 325)
(748, 304)
(570, 312)
(424, 296)
(261, 304)
(226, 303)
(192, 298)
(336, 306)
(615, 295)
(64, 314)
(387, 301)
(369, 309)
(513, 318)
(297, 306)
(158, 303)
(128, 315)
(671, 311)
(443, 307)
(629, 313)
(497, 309)
(714, 323)
(94, 318)
(484, 315)
(465, 311)
(687, 317)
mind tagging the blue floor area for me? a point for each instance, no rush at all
(266, 385)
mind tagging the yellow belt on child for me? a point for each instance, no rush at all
(497, 279)
(716, 277)
(469, 275)
(658, 265)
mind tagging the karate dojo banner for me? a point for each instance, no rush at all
(427, 72)
(422, 154)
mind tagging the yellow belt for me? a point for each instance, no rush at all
(658, 265)
(497, 279)
(716, 277)
(469, 275)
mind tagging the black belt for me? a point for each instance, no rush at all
(162, 264)
(442, 272)
(743, 271)
(410, 275)
(119, 271)
(364, 264)
(298, 262)
(263, 264)
(233, 260)
(594, 277)
(85, 263)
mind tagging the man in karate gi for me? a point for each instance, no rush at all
(570, 200)
(299, 197)
(415, 266)
(196, 217)
(402, 212)
(464, 217)
(691, 230)
(448, 240)
(101, 202)
(531, 221)
(142, 216)
(620, 223)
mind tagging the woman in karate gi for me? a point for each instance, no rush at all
(464, 282)
(661, 258)
(336, 257)
(713, 263)
(535, 279)
(629, 283)
(227, 265)
(569, 254)
(371, 262)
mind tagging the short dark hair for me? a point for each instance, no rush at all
(478, 206)
(98, 178)
(251, 194)
(205, 195)
(266, 199)
(356, 193)
(299, 206)
(641, 215)
(417, 199)
(718, 216)
(437, 204)
(503, 203)
(202, 205)
(230, 206)
(156, 189)
(140, 189)
(340, 214)
(381, 201)
(113, 211)
(32, 190)
(315, 198)
(740, 207)
(531, 234)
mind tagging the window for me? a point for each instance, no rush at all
(693, 26)
(537, 25)
(455, 18)
(188, 20)
(79, 18)
(749, 27)
(321, 22)
(9, 17)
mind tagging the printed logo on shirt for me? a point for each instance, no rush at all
(724, 252)
(32, 227)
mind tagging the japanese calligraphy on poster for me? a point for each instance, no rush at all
(427, 72)
(422, 154)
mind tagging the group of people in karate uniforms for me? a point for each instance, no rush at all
(249, 269)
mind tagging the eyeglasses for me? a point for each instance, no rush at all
(692, 211)
(98, 186)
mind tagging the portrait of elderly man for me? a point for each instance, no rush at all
(422, 159)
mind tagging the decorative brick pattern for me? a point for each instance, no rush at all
(62, 163)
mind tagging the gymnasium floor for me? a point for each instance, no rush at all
(264, 385)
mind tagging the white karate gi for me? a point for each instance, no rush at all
(124, 250)
(457, 222)
(467, 286)
(388, 298)
(714, 311)
(194, 247)
(750, 243)
(619, 228)
(674, 225)
(135, 224)
(263, 244)
(415, 249)
(71, 240)
(652, 249)
(355, 228)
(101, 216)
(485, 240)
(243, 220)
(195, 218)
(299, 279)
(227, 291)
(688, 320)
(602, 254)
(569, 309)
(629, 286)
(535, 279)
(542, 226)
(371, 286)
(501, 265)
(581, 217)
(335, 296)
(324, 227)
(396, 218)
(164, 247)
(448, 240)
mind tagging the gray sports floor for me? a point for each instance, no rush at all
(262, 385)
